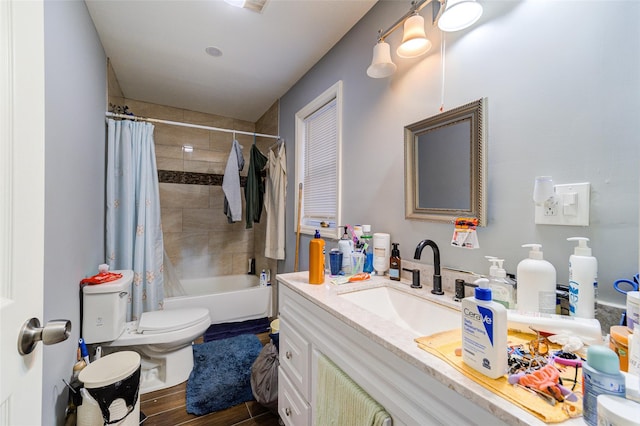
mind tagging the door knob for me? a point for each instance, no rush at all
(31, 333)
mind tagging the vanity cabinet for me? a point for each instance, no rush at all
(294, 375)
(408, 393)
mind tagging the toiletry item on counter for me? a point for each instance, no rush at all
(263, 278)
(484, 333)
(619, 343)
(381, 252)
(345, 245)
(616, 411)
(316, 259)
(502, 287)
(633, 310)
(583, 280)
(634, 354)
(536, 283)
(395, 263)
(587, 329)
(600, 376)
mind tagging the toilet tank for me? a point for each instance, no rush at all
(104, 309)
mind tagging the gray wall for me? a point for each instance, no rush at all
(562, 80)
(75, 91)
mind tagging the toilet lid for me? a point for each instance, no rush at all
(170, 320)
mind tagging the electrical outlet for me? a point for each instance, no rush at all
(551, 207)
(568, 206)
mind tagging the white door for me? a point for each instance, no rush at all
(21, 205)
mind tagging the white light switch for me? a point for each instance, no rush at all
(574, 199)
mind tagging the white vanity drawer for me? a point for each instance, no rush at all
(292, 408)
(295, 354)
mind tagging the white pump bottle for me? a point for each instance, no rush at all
(583, 280)
(536, 283)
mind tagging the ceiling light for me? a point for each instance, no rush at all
(381, 65)
(459, 14)
(254, 5)
(213, 51)
(414, 40)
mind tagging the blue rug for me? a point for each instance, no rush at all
(230, 329)
(221, 375)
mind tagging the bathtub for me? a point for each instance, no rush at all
(229, 298)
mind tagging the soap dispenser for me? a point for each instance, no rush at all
(503, 289)
(536, 283)
(395, 263)
(583, 280)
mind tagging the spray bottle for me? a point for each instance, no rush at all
(484, 332)
(583, 280)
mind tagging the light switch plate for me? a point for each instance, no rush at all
(572, 208)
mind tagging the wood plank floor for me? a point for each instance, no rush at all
(167, 407)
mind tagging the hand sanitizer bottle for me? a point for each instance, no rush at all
(484, 332)
(502, 288)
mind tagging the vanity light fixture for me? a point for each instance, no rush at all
(254, 5)
(449, 15)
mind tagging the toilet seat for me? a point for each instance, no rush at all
(171, 326)
(170, 320)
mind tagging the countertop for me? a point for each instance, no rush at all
(401, 341)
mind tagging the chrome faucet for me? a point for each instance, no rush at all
(437, 279)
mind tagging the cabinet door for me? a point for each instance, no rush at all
(292, 408)
(294, 358)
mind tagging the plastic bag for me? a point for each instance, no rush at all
(264, 377)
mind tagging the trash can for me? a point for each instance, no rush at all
(112, 384)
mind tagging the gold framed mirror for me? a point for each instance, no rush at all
(445, 165)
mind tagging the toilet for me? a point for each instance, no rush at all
(162, 338)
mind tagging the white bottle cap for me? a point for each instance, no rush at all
(581, 249)
(366, 228)
(535, 252)
(103, 267)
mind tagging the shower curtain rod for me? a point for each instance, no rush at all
(195, 126)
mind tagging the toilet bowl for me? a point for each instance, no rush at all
(162, 338)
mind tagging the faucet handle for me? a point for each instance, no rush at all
(415, 277)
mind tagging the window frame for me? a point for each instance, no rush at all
(333, 92)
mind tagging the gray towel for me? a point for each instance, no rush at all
(231, 184)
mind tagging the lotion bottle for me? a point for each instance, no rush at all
(600, 376)
(316, 259)
(484, 332)
(583, 280)
(395, 263)
(536, 283)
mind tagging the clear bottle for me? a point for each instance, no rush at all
(583, 280)
(395, 263)
(502, 287)
(484, 332)
(316, 259)
(536, 283)
(367, 248)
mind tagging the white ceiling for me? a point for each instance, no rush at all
(157, 49)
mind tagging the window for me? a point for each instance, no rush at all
(318, 164)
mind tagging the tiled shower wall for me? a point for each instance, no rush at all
(197, 237)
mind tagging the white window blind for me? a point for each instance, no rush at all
(320, 165)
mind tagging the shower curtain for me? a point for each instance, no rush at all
(133, 228)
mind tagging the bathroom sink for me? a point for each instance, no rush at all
(420, 316)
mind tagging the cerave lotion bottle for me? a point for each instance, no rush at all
(484, 333)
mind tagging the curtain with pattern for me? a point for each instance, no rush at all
(133, 227)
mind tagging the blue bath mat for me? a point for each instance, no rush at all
(230, 329)
(221, 375)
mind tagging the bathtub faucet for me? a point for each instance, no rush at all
(437, 279)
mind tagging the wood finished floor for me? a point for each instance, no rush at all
(167, 407)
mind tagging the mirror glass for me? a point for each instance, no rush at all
(445, 170)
